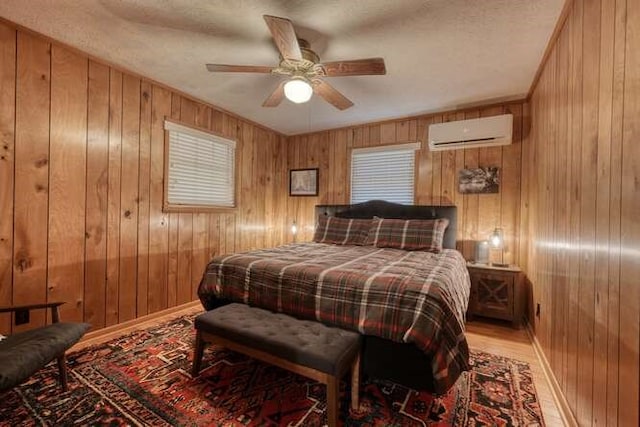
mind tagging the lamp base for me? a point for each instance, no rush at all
(499, 264)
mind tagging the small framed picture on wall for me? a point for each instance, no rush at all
(479, 180)
(303, 182)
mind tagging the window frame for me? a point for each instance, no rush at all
(416, 146)
(194, 208)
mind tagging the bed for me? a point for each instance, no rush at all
(408, 304)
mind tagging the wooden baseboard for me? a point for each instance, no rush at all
(561, 401)
(114, 331)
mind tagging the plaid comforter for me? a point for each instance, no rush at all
(404, 296)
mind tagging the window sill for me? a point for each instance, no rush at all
(198, 209)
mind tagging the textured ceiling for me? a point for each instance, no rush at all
(439, 53)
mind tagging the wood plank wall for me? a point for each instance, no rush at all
(81, 175)
(81, 187)
(436, 173)
(581, 177)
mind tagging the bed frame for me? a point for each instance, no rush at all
(402, 363)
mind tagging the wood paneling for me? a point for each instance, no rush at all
(436, 174)
(130, 162)
(144, 188)
(158, 290)
(582, 174)
(67, 180)
(81, 217)
(629, 291)
(31, 174)
(185, 223)
(113, 197)
(7, 149)
(96, 195)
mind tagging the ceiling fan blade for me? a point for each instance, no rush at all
(285, 37)
(238, 68)
(358, 67)
(331, 95)
(276, 96)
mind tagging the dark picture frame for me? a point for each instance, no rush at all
(303, 182)
(480, 180)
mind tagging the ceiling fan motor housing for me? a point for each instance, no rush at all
(307, 53)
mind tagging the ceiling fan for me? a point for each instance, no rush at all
(303, 68)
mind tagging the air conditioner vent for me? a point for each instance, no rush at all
(473, 133)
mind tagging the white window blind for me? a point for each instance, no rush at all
(383, 173)
(201, 168)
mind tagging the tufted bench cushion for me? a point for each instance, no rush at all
(24, 353)
(307, 343)
(308, 348)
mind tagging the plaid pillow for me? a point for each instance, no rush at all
(341, 231)
(410, 234)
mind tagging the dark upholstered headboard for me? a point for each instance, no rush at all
(383, 209)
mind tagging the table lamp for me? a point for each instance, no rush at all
(496, 239)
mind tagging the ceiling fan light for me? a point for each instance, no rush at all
(298, 90)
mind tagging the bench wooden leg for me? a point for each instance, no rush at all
(62, 368)
(355, 384)
(197, 354)
(333, 401)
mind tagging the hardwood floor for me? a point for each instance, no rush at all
(500, 339)
(492, 337)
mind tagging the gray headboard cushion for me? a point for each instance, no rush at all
(384, 209)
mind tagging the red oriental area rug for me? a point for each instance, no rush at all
(143, 379)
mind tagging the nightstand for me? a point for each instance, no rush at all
(496, 292)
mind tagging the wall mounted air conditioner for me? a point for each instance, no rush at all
(482, 132)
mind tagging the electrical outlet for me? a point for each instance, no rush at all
(22, 317)
(538, 310)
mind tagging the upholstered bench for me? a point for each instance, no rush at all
(24, 353)
(307, 348)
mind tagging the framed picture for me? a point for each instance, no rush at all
(479, 180)
(303, 182)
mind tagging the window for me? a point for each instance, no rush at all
(200, 169)
(383, 173)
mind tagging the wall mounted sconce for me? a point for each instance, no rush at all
(294, 230)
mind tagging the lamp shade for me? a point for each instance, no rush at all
(298, 90)
(496, 239)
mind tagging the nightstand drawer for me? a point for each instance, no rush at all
(493, 295)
